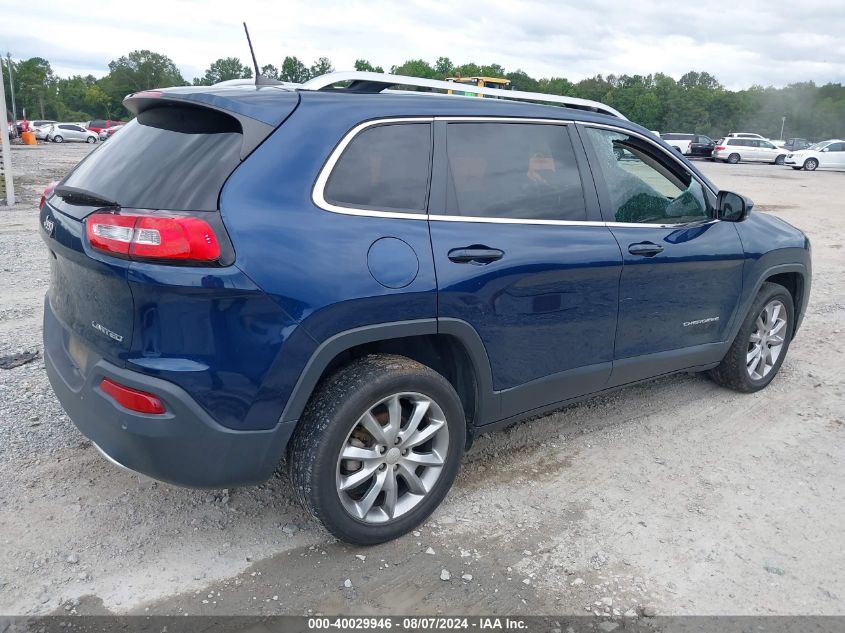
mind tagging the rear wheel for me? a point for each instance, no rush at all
(58, 139)
(733, 159)
(377, 448)
(756, 355)
(811, 164)
(779, 160)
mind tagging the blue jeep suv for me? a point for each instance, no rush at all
(354, 282)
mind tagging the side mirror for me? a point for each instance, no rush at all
(825, 149)
(732, 207)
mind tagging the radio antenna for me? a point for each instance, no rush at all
(260, 80)
(252, 52)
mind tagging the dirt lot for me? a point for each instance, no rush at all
(678, 496)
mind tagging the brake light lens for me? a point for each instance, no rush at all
(132, 399)
(155, 237)
(718, 148)
(47, 191)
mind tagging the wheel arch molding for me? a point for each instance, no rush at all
(795, 277)
(449, 346)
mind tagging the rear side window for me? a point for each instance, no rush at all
(512, 170)
(384, 167)
(167, 158)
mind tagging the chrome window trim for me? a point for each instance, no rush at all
(318, 191)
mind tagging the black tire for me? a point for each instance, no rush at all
(779, 160)
(330, 416)
(618, 152)
(91, 140)
(733, 159)
(811, 164)
(58, 139)
(732, 372)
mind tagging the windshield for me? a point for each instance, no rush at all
(819, 145)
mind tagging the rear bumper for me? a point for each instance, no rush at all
(183, 446)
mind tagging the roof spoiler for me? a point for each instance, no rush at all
(254, 131)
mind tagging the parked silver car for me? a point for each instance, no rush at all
(734, 149)
(61, 132)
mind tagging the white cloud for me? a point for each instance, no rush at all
(741, 43)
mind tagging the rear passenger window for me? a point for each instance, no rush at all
(512, 170)
(384, 167)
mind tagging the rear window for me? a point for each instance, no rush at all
(167, 158)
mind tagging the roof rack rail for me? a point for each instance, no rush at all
(368, 82)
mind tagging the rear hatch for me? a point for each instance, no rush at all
(168, 163)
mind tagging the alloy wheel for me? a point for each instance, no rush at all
(767, 339)
(392, 457)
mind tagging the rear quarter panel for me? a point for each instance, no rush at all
(313, 262)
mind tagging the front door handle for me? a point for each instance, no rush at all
(645, 249)
(475, 255)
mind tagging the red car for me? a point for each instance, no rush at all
(98, 125)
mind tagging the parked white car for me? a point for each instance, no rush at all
(735, 149)
(827, 154)
(679, 141)
(61, 132)
(746, 135)
(41, 129)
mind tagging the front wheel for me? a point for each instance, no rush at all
(779, 160)
(91, 140)
(757, 353)
(733, 159)
(811, 164)
(377, 448)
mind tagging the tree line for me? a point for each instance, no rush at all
(696, 102)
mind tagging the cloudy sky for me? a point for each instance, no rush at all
(741, 42)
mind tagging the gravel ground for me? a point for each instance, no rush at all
(674, 497)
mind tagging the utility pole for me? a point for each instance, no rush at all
(11, 87)
(5, 152)
(782, 123)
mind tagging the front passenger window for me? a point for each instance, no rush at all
(645, 187)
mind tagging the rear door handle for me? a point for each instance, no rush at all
(475, 255)
(645, 249)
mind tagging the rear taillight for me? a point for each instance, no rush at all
(718, 148)
(156, 237)
(47, 191)
(132, 399)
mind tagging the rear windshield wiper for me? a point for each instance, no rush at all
(83, 196)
